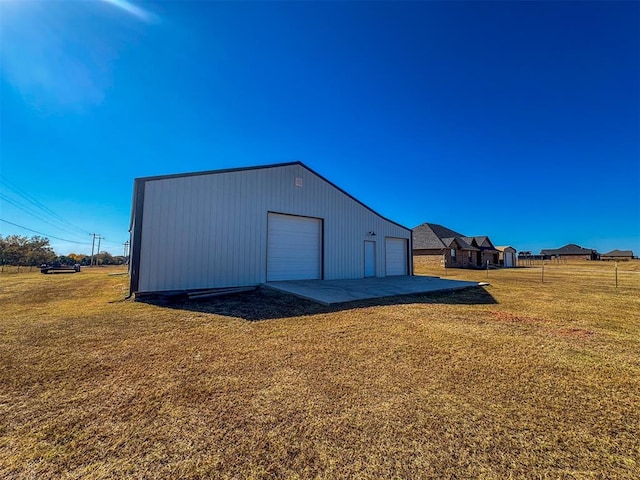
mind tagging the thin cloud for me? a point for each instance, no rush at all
(132, 9)
(55, 65)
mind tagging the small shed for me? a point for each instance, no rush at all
(506, 256)
(247, 226)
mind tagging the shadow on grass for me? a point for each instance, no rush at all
(267, 304)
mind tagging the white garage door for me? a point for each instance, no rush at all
(396, 256)
(294, 248)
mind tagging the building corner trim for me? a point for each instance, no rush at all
(137, 235)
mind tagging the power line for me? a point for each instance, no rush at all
(43, 208)
(34, 214)
(12, 186)
(112, 244)
(58, 238)
(41, 233)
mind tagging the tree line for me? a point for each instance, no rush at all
(32, 252)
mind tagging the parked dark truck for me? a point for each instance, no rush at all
(58, 268)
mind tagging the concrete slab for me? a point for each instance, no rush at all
(329, 292)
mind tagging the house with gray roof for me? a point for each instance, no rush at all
(571, 251)
(618, 255)
(455, 249)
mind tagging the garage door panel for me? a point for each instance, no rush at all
(294, 248)
(396, 256)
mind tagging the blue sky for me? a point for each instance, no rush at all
(517, 120)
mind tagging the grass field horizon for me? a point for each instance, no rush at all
(520, 379)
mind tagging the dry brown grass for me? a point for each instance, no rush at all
(543, 382)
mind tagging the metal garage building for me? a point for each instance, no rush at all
(247, 226)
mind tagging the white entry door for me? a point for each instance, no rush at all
(396, 256)
(369, 258)
(294, 247)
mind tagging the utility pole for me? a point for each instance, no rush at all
(93, 242)
(98, 253)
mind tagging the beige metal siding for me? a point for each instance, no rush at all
(208, 231)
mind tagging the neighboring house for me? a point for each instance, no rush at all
(488, 253)
(570, 251)
(455, 249)
(617, 255)
(247, 226)
(506, 256)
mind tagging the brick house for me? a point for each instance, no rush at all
(571, 251)
(488, 253)
(455, 249)
(618, 255)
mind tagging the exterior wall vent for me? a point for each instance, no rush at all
(298, 182)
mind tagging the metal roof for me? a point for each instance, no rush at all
(141, 180)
